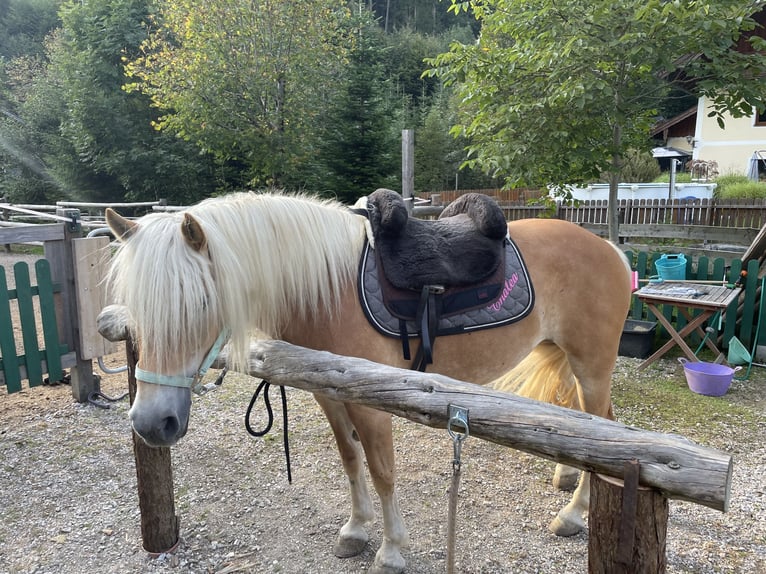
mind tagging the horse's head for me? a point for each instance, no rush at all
(161, 273)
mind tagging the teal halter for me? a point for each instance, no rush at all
(194, 383)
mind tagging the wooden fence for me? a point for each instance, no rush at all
(524, 204)
(70, 293)
(52, 357)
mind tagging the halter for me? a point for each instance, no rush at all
(195, 382)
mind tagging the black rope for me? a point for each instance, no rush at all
(264, 386)
(97, 398)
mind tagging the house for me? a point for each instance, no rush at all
(739, 147)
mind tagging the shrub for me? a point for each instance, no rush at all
(681, 177)
(725, 181)
(639, 166)
(742, 190)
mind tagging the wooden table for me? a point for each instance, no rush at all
(688, 297)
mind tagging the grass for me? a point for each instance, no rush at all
(657, 401)
(25, 249)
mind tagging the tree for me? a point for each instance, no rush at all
(243, 80)
(111, 130)
(358, 150)
(557, 91)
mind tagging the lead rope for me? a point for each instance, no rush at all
(458, 417)
(264, 386)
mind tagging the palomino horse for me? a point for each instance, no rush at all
(248, 264)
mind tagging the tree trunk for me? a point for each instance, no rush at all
(614, 182)
(627, 528)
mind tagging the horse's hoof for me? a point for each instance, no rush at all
(346, 547)
(566, 527)
(379, 569)
(565, 477)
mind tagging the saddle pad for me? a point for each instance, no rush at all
(514, 302)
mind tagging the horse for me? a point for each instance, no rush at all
(285, 266)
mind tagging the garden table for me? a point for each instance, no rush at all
(689, 297)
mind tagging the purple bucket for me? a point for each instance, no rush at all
(709, 379)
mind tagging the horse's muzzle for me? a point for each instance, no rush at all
(158, 431)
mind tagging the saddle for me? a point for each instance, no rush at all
(433, 269)
(462, 247)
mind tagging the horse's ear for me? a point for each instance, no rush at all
(121, 227)
(192, 232)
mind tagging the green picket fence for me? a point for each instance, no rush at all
(739, 319)
(36, 360)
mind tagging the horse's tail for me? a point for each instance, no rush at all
(543, 375)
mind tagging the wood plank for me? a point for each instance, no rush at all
(91, 257)
(32, 355)
(672, 464)
(68, 360)
(706, 233)
(695, 295)
(10, 371)
(48, 319)
(32, 233)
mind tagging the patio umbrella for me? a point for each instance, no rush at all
(752, 168)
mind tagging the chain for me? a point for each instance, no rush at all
(458, 418)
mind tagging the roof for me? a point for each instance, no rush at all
(669, 152)
(660, 127)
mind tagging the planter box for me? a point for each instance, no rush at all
(637, 339)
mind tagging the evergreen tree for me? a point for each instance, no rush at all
(111, 129)
(358, 151)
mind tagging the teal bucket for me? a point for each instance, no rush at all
(670, 267)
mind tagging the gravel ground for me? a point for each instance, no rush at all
(69, 503)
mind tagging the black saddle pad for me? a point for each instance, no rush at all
(507, 296)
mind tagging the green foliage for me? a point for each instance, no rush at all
(729, 179)
(639, 166)
(681, 177)
(357, 147)
(557, 91)
(742, 190)
(24, 24)
(120, 153)
(243, 80)
(425, 17)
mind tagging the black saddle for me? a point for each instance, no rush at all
(433, 268)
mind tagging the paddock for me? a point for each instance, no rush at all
(70, 505)
(498, 528)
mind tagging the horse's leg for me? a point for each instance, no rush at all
(565, 477)
(352, 537)
(375, 432)
(594, 396)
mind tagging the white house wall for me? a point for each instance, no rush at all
(733, 146)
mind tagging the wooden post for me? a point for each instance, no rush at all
(154, 473)
(627, 526)
(59, 254)
(408, 169)
(91, 257)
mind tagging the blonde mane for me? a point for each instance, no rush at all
(270, 257)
